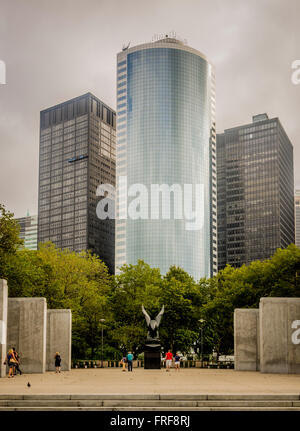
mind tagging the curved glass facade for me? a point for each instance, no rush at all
(165, 137)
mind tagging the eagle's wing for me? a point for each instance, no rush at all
(147, 317)
(159, 316)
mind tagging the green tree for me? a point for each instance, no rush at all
(79, 281)
(178, 293)
(9, 232)
(243, 287)
(9, 238)
(135, 285)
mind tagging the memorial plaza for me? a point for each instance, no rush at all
(151, 390)
(266, 375)
(140, 381)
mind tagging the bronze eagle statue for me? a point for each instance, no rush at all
(153, 324)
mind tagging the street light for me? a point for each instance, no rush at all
(201, 321)
(102, 320)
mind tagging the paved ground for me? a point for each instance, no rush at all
(114, 381)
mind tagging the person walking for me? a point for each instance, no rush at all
(129, 361)
(169, 358)
(11, 362)
(177, 361)
(17, 358)
(57, 362)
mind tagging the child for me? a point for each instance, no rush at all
(57, 362)
(177, 361)
(123, 362)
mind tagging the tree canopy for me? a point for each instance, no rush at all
(81, 282)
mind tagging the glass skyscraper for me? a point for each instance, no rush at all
(255, 191)
(166, 137)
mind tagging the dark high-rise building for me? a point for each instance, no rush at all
(77, 154)
(255, 191)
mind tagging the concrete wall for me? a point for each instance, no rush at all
(3, 325)
(246, 339)
(59, 338)
(279, 336)
(26, 331)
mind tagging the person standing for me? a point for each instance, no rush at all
(17, 358)
(169, 358)
(129, 361)
(57, 362)
(177, 361)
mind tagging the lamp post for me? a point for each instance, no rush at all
(102, 320)
(201, 321)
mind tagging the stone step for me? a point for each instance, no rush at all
(145, 403)
(158, 409)
(179, 397)
(109, 402)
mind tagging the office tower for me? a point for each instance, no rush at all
(28, 231)
(255, 186)
(297, 217)
(77, 154)
(166, 138)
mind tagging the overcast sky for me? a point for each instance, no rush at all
(58, 49)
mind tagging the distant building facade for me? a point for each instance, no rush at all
(28, 231)
(297, 217)
(77, 154)
(255, 191)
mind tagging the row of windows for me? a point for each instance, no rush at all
(257, 128)
(121, 76)
(121, 63)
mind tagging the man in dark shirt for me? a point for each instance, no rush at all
(129, 361)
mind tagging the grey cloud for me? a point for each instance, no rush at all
(58, 49)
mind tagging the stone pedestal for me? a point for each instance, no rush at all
(3, 326)
(246, 339)
(59, 338)
(26, 331)
(280, 335)
(152, 355)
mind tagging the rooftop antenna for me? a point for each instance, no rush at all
(125, 47)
